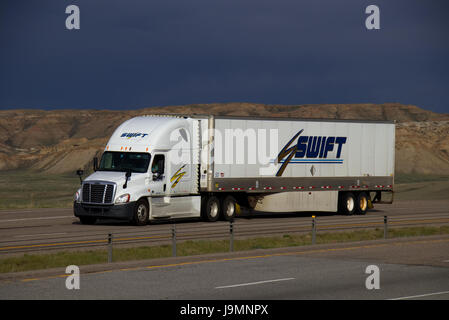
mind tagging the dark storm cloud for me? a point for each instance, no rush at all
(133, 54)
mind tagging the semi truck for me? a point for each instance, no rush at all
(161, 167)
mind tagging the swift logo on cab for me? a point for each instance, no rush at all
(133, 135)
(310, 149)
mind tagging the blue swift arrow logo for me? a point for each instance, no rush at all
(310, 149)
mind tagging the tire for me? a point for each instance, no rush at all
(228, 208)
(87, 220)
(362, 203)
(141, 213)
(348, 204)
(212, 209)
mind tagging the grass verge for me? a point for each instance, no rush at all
(187, 248)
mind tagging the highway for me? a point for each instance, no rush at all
(408, 269)
(32, 230)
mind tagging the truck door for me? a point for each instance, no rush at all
(159, 206)
(158, 176)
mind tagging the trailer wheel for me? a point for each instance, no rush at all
(362, 203)
(228, 208)
(87, 220)
(141, 213)
(212, 209)
(348, 203)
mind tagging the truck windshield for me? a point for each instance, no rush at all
(124, 161)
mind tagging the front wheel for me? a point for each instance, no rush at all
(141, 213)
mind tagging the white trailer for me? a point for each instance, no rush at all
(163, 167)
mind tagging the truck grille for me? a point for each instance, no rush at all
(99, 193)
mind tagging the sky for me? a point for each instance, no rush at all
(132, 54)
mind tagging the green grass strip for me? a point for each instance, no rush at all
(198, 247)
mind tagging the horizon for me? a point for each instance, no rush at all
(215, 103)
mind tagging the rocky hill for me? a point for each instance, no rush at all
(65, 140)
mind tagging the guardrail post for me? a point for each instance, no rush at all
(173, 237)
(109, 247)
(231, 232)
(313, 230)
(385, 227)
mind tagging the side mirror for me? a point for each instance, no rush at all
(79, 173)
(156, 176)
(95, 164)
(127, 176)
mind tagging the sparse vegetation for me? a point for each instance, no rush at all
(421, 187)
(404, 178)
(25, 189)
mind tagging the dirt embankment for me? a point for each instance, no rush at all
(64, 140)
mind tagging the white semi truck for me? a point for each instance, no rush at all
(168, 166)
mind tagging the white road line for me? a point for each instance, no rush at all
(40, 218)
(421, 295)
(253, 283)
(40, 234)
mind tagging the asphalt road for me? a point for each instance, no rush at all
(40, 229)
(408, 269)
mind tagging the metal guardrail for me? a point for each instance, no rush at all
(174, 233)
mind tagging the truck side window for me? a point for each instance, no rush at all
(158, 164)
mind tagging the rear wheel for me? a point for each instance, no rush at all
(212, 209)
(228, 208)
(141, 213)
(348, 203)
(362, 203)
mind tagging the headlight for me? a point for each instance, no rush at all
(77, 196)
(124, 198)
